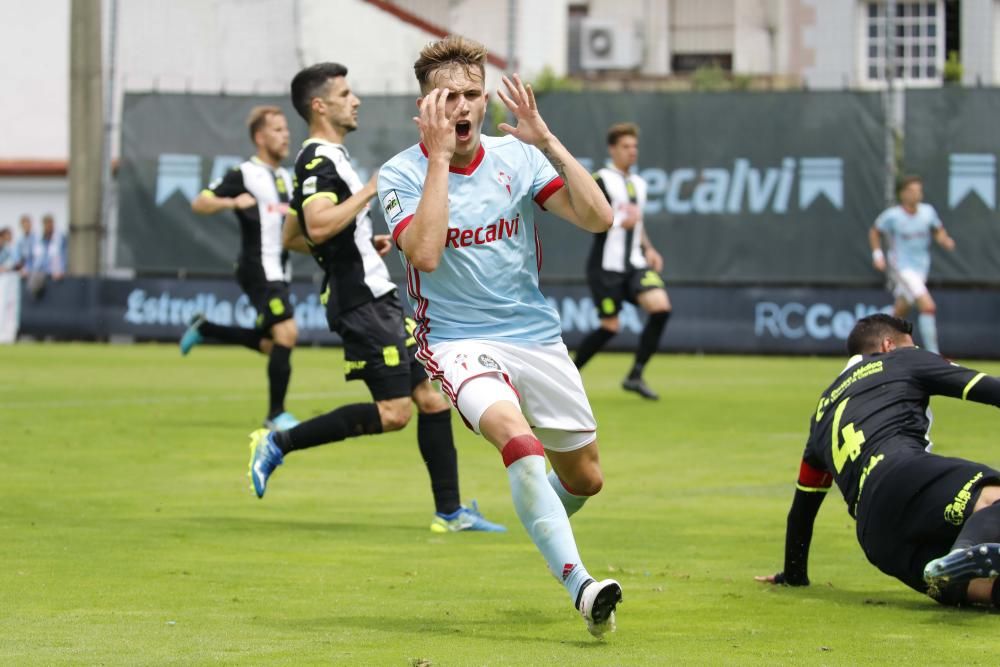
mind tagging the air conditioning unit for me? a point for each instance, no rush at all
(608, 45)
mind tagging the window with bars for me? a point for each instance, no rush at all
(911, 40)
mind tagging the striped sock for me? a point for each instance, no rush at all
(541, 512)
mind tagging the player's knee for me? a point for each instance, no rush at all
(589, 483)
(584, 480)
(611, 325)
(928, 308)
(395, 413)
(285, 333)
(430, 401)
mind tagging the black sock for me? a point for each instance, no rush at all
(246, 337)
(347, 421)
(649, 340)
(437, 446)
(982, 526)
(279, 371)
(592, 344)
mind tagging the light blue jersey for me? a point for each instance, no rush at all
(486, 285)
(909, 236)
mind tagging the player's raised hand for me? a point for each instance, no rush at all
(520, 99)
(437, 126)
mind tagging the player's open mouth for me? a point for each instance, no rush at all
(463, 129)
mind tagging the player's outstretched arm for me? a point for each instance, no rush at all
(940, 377)
(581, 201)
(207, 203)
(423, 240)
(799, 528)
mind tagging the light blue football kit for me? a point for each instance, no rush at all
(481, 316)
(487, 283)
(909, 236)
(909, 259)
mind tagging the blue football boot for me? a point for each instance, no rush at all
(264, 458)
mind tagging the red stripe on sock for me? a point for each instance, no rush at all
(568, 490)
(519, 447)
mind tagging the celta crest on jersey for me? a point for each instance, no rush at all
(498, 231)
(503, 178)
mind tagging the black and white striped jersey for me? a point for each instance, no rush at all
(355, 273)
(619, 249)
(260, 225)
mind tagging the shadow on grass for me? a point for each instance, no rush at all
(903, 599)
(502, 626)
(376, 526)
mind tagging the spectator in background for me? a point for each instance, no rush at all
(10, 288)
(24, 247)
(48, 257)
(7, 258)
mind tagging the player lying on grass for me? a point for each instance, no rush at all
(930, 521)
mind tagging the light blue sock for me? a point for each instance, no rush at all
(570, 501)
(542, 514)
(927, 323)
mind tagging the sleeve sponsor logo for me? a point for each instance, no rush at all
(390, 204)
(309, 186)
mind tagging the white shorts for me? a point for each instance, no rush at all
(544, 380)
(908, 284)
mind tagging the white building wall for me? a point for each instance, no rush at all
(36, 196)
(761, 37)
(34, 98)
(835, 43)
(980, 19)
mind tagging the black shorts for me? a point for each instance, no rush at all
(269, 298)
(913, 506)
(610, 288)
(379, 348)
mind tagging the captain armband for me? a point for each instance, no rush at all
(813, 480)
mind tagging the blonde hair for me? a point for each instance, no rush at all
(452, 50)
(619, 130)
(258, 116)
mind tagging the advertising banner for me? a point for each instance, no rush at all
(763, 188)
(950, 142)
(705, 319)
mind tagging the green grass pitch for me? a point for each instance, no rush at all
(129, 535)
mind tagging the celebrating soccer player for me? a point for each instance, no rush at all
(930, 521)
(909, 227)
(460, 208)
(330, 220)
